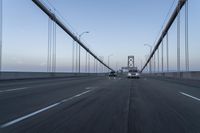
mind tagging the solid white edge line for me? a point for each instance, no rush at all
(41, 110)
(16, 89)
(27, 116)
(185, 94)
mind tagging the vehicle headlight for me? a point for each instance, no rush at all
(137, 74)
(129, 74)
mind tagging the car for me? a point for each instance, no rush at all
(133, 74)
(112, 74)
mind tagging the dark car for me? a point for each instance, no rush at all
(112, 74)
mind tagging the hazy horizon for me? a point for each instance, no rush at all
(117, 27)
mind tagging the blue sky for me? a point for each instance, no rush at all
(118, 27)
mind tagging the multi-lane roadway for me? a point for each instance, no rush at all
(99, 105)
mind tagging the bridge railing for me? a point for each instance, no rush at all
(44, 75)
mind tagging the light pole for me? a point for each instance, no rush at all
(79, 65)
(109, 60)
(149, 54)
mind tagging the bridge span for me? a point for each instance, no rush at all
(49, 86)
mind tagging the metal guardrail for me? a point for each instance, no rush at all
(42, 75)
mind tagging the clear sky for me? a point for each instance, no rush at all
(118, 27)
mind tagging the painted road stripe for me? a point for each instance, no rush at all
(41, 110)
(91, 88)
(185, 94)
(16, 89)
(88, 88)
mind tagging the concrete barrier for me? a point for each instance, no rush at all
(195, 75)
(36, 75)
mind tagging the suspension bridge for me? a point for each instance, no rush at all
(84, 99)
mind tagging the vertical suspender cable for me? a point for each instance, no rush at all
(73, 56)
(97, 66)
(154, 63)
(141, 63)
(94, 65)
(158, 61)
(54, 47)
(186, 37)
(146, 58)
(53, 50)
(167, 51)
(162, 46)
(150, 61)
(102, 68)
(48, 44)
(1, 32)
(79, 58)
(75, 63)
(76, 57)
(178, 41)
(86, 62)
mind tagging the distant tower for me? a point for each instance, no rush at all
(131, 63)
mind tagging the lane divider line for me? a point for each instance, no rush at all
(16, 89)
(91, 88)
(41, 110)
(88, 88)
(185, 94)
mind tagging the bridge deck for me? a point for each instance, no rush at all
(99, 105)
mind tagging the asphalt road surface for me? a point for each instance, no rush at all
(99, 105)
